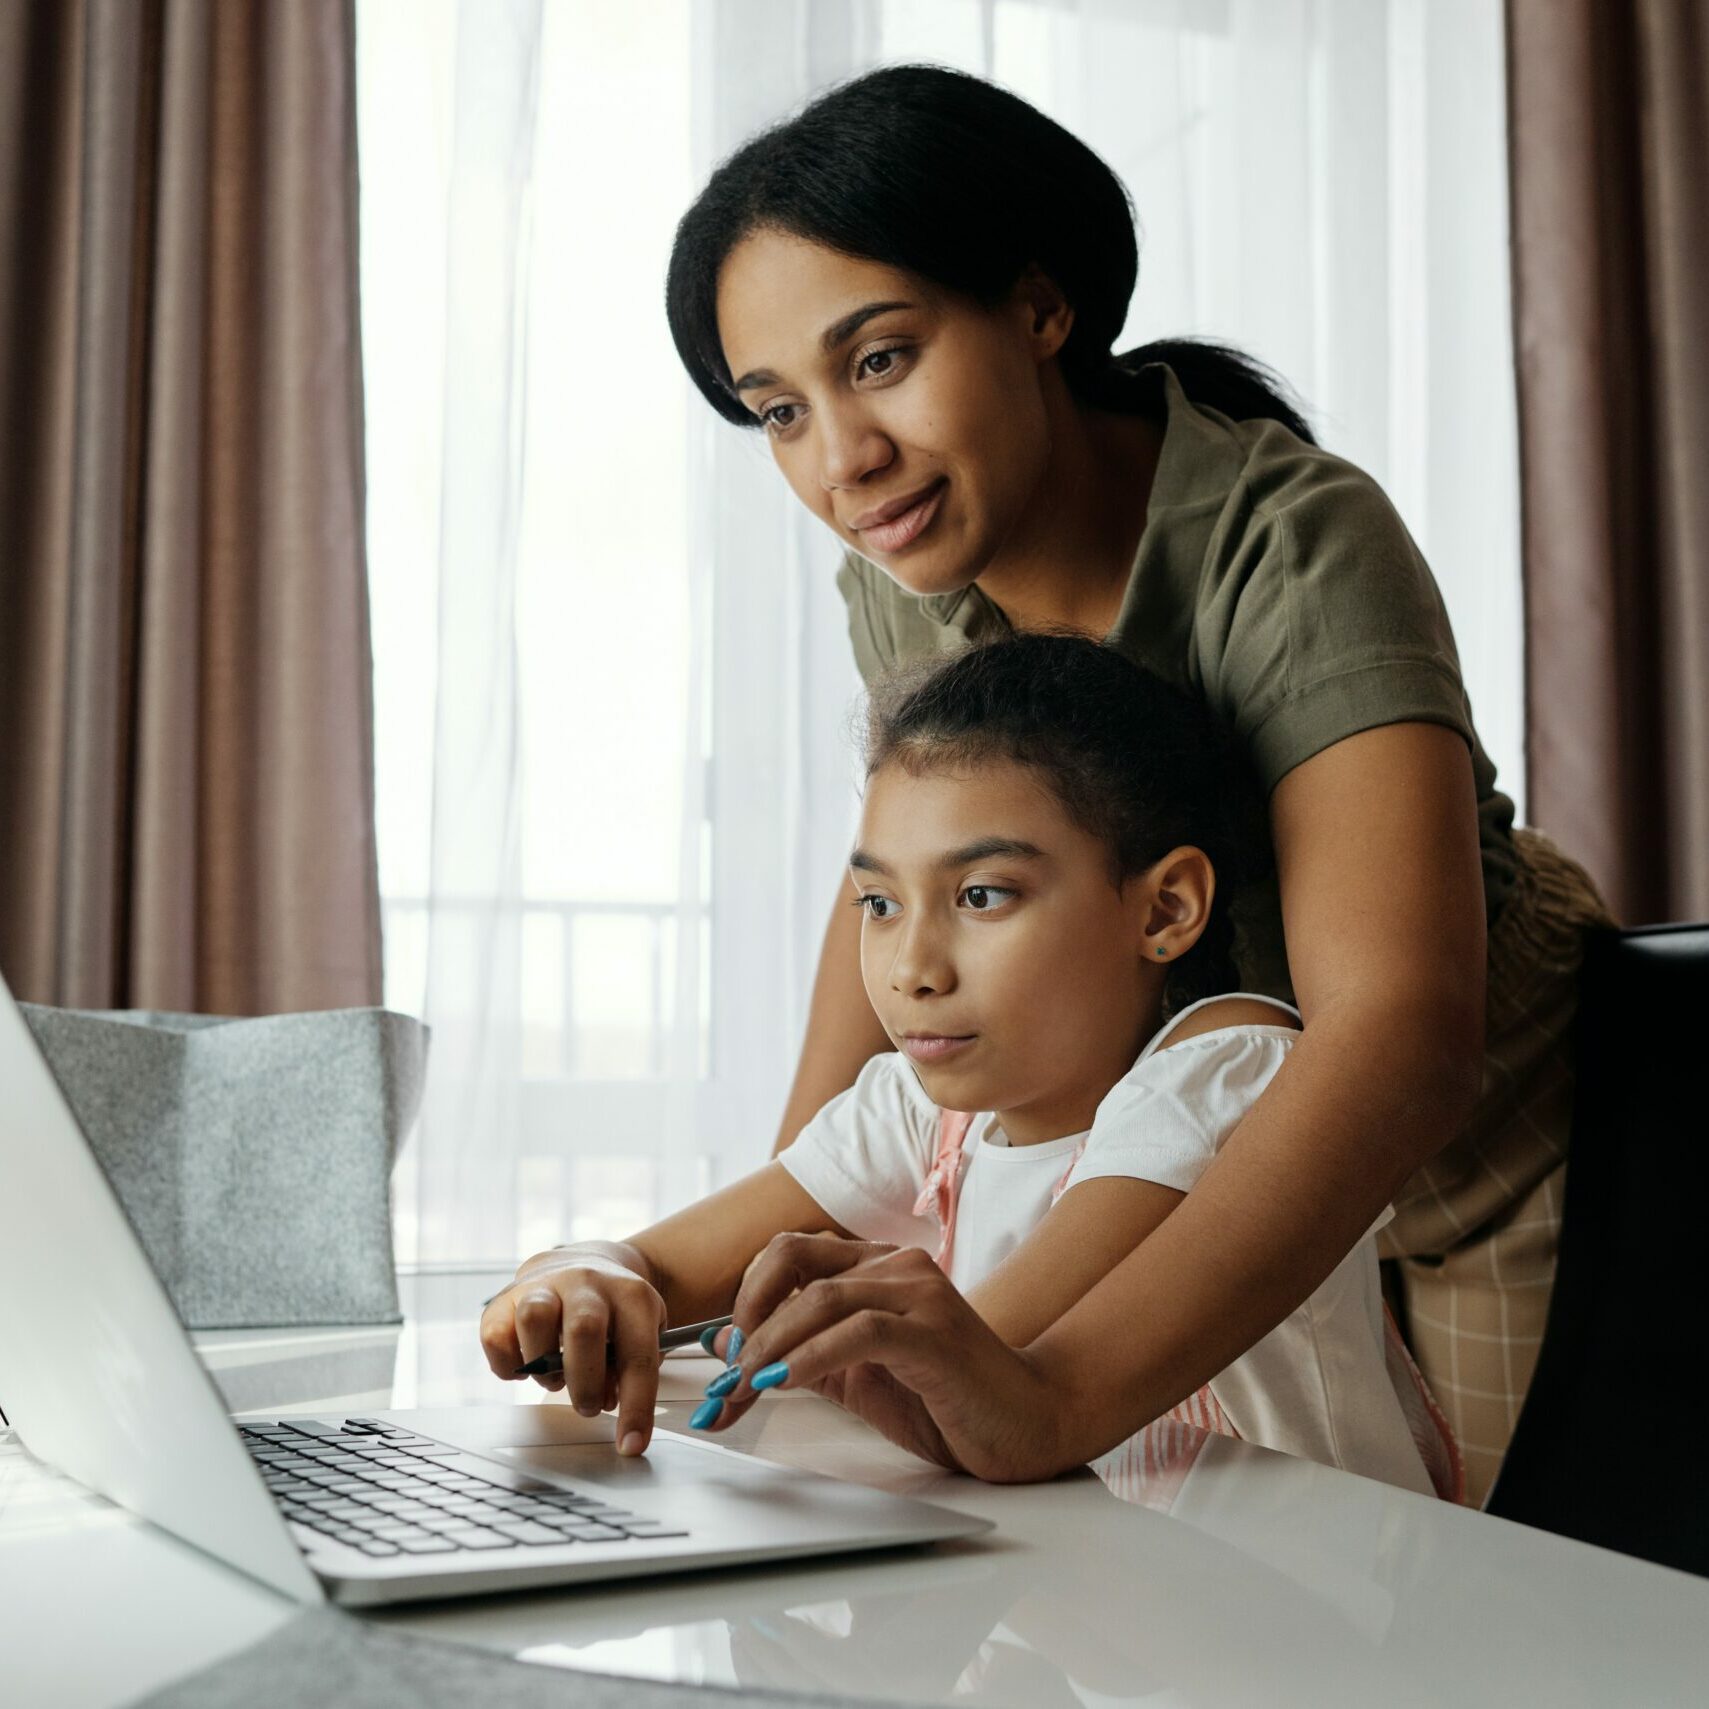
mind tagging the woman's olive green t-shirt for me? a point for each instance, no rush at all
(1273, 580)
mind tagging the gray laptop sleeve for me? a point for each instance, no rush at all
(326, 1657)
(254, 1157)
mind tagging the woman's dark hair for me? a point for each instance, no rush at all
(939, 174)
(1137, 764)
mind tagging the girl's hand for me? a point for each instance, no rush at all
(606, 1320)
(883, 1331)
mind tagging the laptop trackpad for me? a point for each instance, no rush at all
(666, 1463)
(556, 1442)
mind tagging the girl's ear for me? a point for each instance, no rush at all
(1182, 886)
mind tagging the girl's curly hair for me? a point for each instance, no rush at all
(1136, 763)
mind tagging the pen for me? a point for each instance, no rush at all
(547, 1363)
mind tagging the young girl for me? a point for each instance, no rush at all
(1048, 942)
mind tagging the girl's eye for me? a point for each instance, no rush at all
(871, 905)
(984, 892)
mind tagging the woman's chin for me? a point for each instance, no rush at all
(914, 572)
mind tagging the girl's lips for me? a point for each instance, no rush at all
(935, 1049)
(903, 530)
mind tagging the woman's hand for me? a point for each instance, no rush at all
(604, 1316)
(883, 1331)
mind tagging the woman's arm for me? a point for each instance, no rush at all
(1383, 908)
(1382, 899)
(843, 1032)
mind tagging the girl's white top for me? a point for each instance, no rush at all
(1317, 1385)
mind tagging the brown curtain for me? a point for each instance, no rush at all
(1610, 196)
(186, 788)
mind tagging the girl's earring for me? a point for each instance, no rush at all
(1162, 952)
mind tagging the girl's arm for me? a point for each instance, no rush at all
(1082, 1239)
(695, 1259)
(1382, 900)
(603, 1303)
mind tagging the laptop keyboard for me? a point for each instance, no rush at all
(385, 1491)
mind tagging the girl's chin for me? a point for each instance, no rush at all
(954, 1087)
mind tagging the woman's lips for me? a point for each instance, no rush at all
(903, 530)
(935, 1049)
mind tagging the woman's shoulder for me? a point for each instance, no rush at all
(1306, 609)
(1255, 470)
(1307, 510)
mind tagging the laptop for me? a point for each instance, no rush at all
(99, 1380)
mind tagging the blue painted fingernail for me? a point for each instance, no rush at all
(722, 1385)
(706, 1413)
(771, 1376)
(734, 1351)
(707, 1336)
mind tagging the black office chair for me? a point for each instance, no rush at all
(1609, 1447)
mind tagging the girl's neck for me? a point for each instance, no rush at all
(1065, 1110)
(1069, 557)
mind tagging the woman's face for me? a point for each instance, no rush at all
(932, 398)
(991, 918)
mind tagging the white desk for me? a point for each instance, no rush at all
(1268, 1582)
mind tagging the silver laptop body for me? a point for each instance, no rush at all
(100, 1381)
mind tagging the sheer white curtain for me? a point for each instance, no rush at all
(611, 666)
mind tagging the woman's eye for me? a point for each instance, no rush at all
(876, 355)
(984, 892)
(770, 418)
(873, 906)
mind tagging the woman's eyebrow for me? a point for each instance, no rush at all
(983, 848)
(839, 332)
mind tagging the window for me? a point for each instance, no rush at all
(611, 667)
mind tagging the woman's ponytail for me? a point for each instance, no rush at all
(1215, 376)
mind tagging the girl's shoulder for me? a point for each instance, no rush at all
(1167, 1117)
(1221, 1014)
(888, 1098)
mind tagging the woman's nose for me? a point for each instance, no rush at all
(851, 447)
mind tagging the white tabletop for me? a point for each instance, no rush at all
(1266, 1581)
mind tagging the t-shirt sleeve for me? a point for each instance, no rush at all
(1324, 620)
(863, 1157)
(1169, 1115)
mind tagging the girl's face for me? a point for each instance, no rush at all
(989, 918)
(876, 388)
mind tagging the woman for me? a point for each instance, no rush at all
(912, 288)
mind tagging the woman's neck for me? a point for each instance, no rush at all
(1068, 559)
